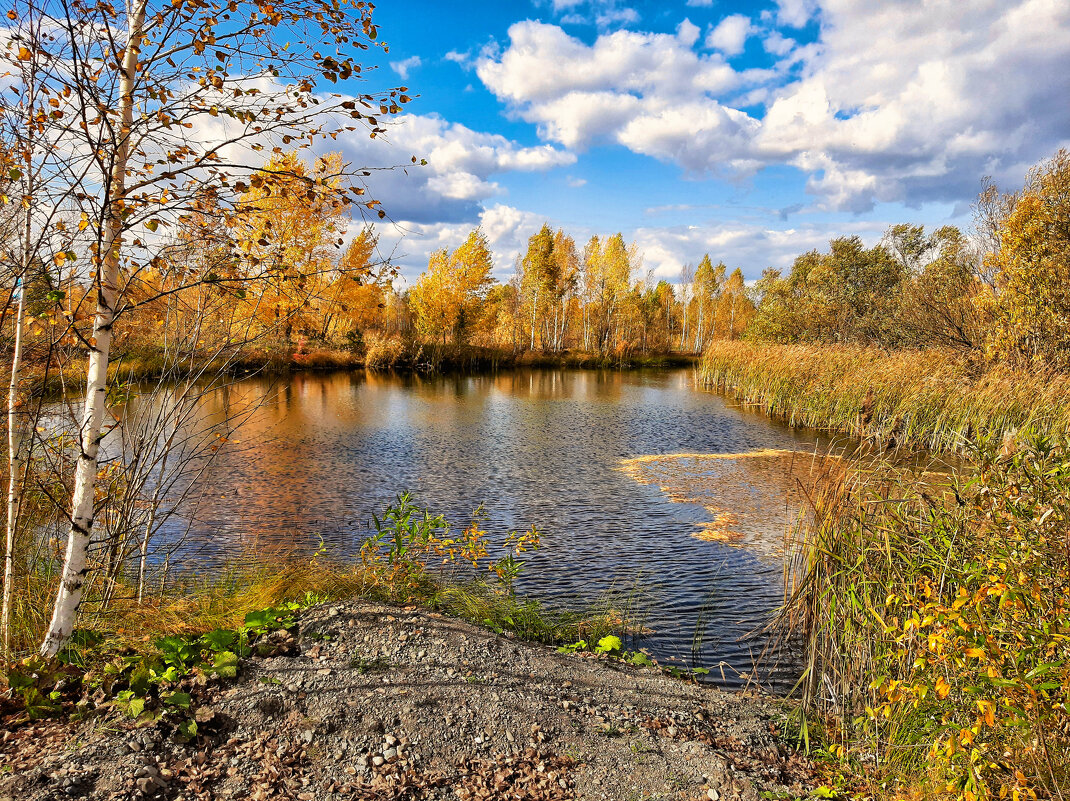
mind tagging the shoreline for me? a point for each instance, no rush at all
(364, 700)
(131, 368)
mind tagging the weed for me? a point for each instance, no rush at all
(363, 665)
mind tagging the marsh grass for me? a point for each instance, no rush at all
(922, 399)
(934, 616)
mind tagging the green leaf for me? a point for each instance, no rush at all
(140, 680)
(608, 645)
(178, 700)
(260, 619)
(225, 665)
(187, 730)
(135, 707)
(220, 639)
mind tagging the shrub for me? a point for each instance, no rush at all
(936, 618)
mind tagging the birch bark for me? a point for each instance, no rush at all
(75, 563)
(16, 469)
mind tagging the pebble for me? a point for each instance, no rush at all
(712, 794)
(390, 753)
(378, 761)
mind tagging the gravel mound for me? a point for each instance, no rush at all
(373, 702)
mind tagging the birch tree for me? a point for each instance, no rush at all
(160, 102)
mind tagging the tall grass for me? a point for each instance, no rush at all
(934, 614)
(929, 399)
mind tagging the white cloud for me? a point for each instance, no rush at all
(602, 13)
(750, 246)
(700, 3)
(945, 94)
(687, 32)
(575, 182)
(795, 13)
(731, 34)
(507, 230)
(460, 166)
(616, 16)
(403, 67)
(777, 44)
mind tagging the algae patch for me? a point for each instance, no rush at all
(753, 497)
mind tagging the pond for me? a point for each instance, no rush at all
(638, 481)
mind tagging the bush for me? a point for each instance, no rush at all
(383, 352)
(936, 619)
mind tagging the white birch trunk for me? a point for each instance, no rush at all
(534, 307)
(16, 464)
(75, 563)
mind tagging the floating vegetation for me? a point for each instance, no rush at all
(754, 498)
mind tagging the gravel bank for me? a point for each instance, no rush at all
(372, 702)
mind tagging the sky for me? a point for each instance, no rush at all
(752, 131)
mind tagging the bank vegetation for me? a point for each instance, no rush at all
(932, 604)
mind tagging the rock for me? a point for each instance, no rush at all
(390, 753)
(373, 725)
(712, 794)
(378, 761)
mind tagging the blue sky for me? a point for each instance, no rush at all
(750, 130)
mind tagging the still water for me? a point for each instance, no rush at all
(637, 480)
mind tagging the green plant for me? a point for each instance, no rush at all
(936, 618)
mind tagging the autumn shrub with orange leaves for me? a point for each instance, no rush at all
(936, 616)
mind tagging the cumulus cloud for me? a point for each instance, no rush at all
(507, 230)
(602, 13)
(750, 246)
(796, 13)
(895, 101)
(731, 34)
(777, 44)
(458, 176)
(578, 94)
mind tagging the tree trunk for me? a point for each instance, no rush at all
(534, 306)
(16, 439)
(72, 583)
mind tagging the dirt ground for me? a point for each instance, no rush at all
(375, 702)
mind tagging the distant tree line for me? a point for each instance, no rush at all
(1003, 292)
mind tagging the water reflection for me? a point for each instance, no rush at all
(325, 452)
